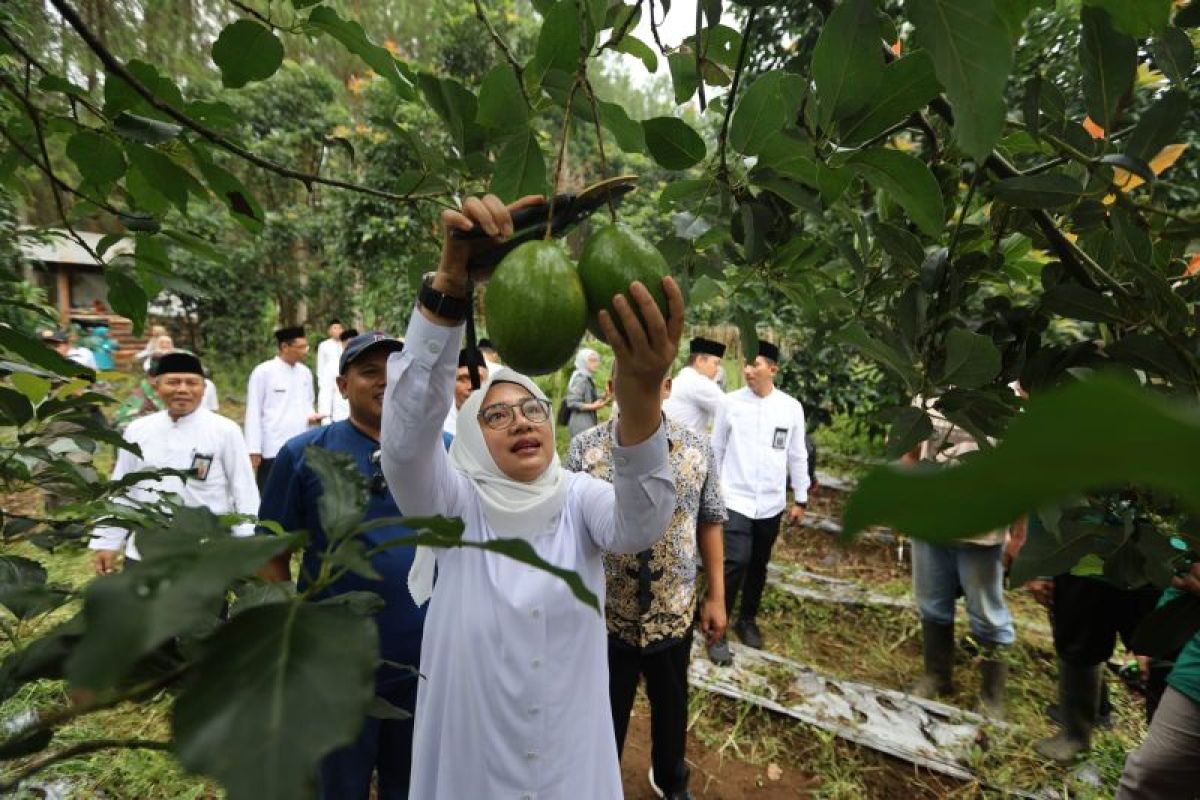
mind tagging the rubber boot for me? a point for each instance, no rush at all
(993, 679)
(937, 649)
(1079, 704)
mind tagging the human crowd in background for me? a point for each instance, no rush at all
(669, 509)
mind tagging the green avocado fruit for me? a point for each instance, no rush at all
(535, 309)
(614, 257)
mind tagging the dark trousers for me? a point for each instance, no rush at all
(383, 746)
(1088, 616)
(665, 671)
(263, 472)
(748, 544)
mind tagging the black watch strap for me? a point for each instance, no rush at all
(442, 304)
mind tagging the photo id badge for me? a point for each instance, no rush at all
(201, 462)
(779, 440)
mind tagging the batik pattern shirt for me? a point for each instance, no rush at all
(650, 596)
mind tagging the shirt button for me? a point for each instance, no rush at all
(534, 711)
(622, 461)
(537, 662)
(536, 613)
(527, 796)
(531, 756)
(434, 347)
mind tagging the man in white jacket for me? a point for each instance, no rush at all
(695, 394)
(279, 401)
(758, 442)
(183, 436)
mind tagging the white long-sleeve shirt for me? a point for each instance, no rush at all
(694, 401)
(279, 401)
(514, 668)
(329, 353)
(758, 442)
(329, 399)
(211, 401)
(205, 444)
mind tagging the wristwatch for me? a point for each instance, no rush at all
(442, 304)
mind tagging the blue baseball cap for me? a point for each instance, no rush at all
(369, 341)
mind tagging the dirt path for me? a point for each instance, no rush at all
(714, 777)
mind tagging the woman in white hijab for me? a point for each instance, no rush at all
(513, 701)
(583, 401)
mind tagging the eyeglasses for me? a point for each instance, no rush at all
(499, 416)
(378, 484)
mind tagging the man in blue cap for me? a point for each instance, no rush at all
(290, 498)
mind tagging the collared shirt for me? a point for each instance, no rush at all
(208, 446)
(279, 401)
(758, 441)
(291, 498)
(650, 596)
(694, 400)
(515, 668)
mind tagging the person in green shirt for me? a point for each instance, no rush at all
(1167, 765)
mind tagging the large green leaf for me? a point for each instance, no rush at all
(276, 688)
(246, 51)
(972, 56)
(164, 175)
(120, 96)
(181, 583)
(501, 104)
(972, 360)
(1044, 190)
(910, 427)
(354, 39)
(907, 181)
(1136, 18)
(673, 143)
(226, 186)
(1174, 54)
(343, 499)
(908, 84)
(886, 354)
(1091, 435)
(458, 108)
(1048, 552)
(792, 157)
(520, 168)
(1108, 59)
(99, 159)
(762, 111)
(627, 132)
(685, 80)
(1073, 301)
(558, 43)
(847, 62)
(144, 129)
(127, 297)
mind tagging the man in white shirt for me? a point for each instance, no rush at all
(695, 395)
(758, 441)
(183, 436)
(331, 405)
(279, 401)
(329, 352)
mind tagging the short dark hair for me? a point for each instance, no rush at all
(335, 321)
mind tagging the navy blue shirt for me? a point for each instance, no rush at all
(290, 499)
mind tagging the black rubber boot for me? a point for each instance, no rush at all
(993, 680)
(1079, 704)
(937, 648)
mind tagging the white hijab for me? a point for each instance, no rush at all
(513, 509)
(581, 363)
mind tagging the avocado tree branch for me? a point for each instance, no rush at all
(619, 33)
(731, 98)
(504, 49)
(114, 66)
